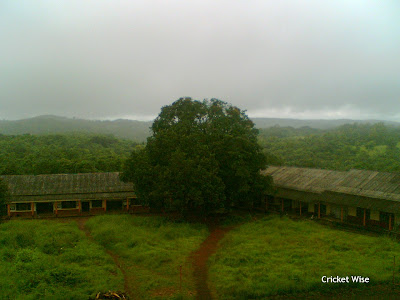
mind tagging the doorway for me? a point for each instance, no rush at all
(44, 207)
(85, 206)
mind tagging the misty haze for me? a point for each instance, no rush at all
(199, 149)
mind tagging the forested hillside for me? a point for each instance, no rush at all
(355, 146)
(68, 153)
(127, 129)
(138, 131)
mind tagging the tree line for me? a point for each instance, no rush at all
(351, 146)
(62, 153)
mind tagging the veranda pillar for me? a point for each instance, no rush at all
(319, 210)
(365, 217)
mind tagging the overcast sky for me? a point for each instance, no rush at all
(126, 59)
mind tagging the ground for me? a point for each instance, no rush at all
(213, 261)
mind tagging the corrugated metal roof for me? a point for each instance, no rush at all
(304, 179)
(61, 184)
(364, 183)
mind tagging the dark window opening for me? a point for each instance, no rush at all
(24, 206)
(68, 204)
(322, 209)
(385, 217)
(85, 206)
(97, 203)
(360, 213)
(44, 207)
(114, 205)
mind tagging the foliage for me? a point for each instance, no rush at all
(68, 153)
(202, 156)
(357, 146)
(281, 256)
(152, 249)
(50, 260)
(136, 131)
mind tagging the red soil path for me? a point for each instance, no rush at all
(117, 260)
(199, 260)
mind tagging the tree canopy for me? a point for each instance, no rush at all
(202, 156)
(62, 153)
(351, 146)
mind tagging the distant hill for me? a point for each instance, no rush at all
(127, 129)
(139, 130)
(313, 123)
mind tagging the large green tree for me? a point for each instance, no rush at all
(202, 156)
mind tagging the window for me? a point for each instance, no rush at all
(68, 204)
(97, 203)
(384, 217)
(23, 206)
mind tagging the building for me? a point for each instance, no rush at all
(67, 194)
(367, 198)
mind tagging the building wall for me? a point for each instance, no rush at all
(352, 211)
(328, 209)
(374, 215)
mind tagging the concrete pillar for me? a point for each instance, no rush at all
(33, 209)
(319, 210)
(8, 210)
(105, 205)
(365, 217)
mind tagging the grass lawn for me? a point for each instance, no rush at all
(281, 256)
(50, 260)
(151, 249)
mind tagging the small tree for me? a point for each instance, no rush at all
(202, 156)
(3, 194)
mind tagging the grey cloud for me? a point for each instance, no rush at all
(103, 59)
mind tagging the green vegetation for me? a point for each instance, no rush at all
(151, 249)
(50, 260)
(281, 256)
(136, 131)
(68, 153)
(202, 157)
(356, 146)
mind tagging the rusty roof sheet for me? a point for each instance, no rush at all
(59, 184)
(364, 183)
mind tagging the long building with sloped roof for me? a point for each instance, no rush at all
(363, 197)
(367, 198)
(67, 194)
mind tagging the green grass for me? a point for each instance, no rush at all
(152, 249)
(280, 256)
(50, 260)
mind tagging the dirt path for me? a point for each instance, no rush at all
(117, 260)
(200, 258)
